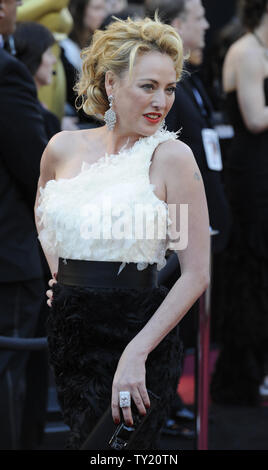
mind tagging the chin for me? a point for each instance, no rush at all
(154, 130)
(143, 130)
(150, 130)
(147, 133)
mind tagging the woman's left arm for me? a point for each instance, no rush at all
(184, 185)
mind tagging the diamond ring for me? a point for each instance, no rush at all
(124, 399)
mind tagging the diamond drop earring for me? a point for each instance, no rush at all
(162, 125)
(110, 115)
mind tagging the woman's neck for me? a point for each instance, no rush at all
(114, 140)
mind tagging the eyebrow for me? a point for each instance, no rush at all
(155, 81)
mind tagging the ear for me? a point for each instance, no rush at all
(110, 81)
(177, 24)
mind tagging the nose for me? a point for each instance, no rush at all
(159, 99)
(206, 24)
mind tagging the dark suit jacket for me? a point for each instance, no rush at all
(187, 114)
(22, 141)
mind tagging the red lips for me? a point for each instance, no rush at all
(153, 118)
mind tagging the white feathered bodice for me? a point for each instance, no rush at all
(109, 211)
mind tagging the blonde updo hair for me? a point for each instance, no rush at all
(115, 49)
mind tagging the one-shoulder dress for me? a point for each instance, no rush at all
(243, 360)
(88, 327)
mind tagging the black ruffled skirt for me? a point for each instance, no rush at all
(88, 329)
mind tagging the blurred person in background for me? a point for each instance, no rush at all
(131, 10)
(116, 6)
(192, 112)
(22, 289)
(122, 9)
(215, 55)
(56, 17)
(33, 44)
(241, 375)
(88, 16)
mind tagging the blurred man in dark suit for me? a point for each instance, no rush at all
(22, 289)
(192, 113)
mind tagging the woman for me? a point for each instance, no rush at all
(243, 361)
(33, 44)
(112, 318)
(87, 15)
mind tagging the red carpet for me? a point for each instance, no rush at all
(187, 386)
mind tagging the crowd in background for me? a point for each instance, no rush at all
(39, 65)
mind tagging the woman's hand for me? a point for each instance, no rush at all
(130, 376)
(49, 293)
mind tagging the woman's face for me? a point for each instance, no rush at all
(43, 75)
(142, 101)
(95, 13)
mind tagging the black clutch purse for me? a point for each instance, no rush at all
(107, 435)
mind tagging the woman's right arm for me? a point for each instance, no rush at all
(48, 165)
(250, 76)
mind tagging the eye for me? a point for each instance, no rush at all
(148, 86)
(171, 90)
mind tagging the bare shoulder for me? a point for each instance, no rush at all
(65, 145)
(176, 158)
(243, 63)
(180, 173)
(62, 144)
(58, 151)
(244, 51)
